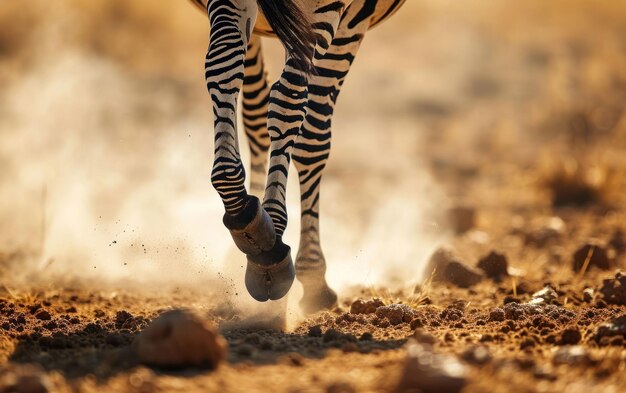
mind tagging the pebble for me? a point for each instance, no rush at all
(429, 372)
(597, 254)
(495, 265)
(462, 218)
(180, 338)
(396, 313)
(614, 289)
(572, 355)
(612, 328)
(547, 295)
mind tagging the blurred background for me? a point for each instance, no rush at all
(106, 135)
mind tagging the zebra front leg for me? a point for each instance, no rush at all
(275, 272)
(312, 150)
(231, 28)
(256, 95)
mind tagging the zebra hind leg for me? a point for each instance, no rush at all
(256, 95)
(231, 24)
(312, 149)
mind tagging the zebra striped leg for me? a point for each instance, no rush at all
(256, 95)
(273, 271)
(312, 150)
(231, 29)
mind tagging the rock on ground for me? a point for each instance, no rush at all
(180, 338)
(444, 266)
(596, 254)
(614, 289)
(495, 265)
(365, 306)
(429, 372)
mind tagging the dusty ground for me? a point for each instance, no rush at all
(515, 111)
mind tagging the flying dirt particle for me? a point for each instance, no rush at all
(365, 306)
(590, 254)
(430, 372)
(495, 265)
(614, 289)
(180, 338)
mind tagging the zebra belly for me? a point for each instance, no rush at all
(383, 9)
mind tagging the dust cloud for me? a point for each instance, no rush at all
(105, 171)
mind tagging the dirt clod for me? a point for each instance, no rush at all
(445, 266)
(43, 315)
(396, 313)
(613, 328)
(365, 306)
(590, 255)
(614, 289)
(570, 336)
(495, 265)
(180, 338)
(430, 372)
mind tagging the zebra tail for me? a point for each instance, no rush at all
(293, 28)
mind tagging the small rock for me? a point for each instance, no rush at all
(180, 338)
(396, 313)
(588, 295)
(478, 354)
(495, 265)
(614, 289)
(570, 336)
(43, 315)
(596, 254)
(429, 372)
(614, 327)
(121, 317)
(315, 331)
(618, 241)
(545, 296)
(25, 379)
(496, 315)
(546, 232)
(462, 218)
(365, 306)
(572, 355)
(423, 337)
(461, 275)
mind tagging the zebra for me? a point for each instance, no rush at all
(287, 121)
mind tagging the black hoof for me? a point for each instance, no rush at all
(318, 299)
(252, 229)
(269, 275)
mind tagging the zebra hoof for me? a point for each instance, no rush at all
(318, 299)
(269, 275)
(252, 229)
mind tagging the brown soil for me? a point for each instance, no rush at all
(529, 146)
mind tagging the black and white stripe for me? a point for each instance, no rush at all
(290, 120)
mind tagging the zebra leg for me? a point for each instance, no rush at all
(231, 28)
(256, 95)
(271, 274)
(312, 150)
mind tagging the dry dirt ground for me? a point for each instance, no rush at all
(520, 112)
